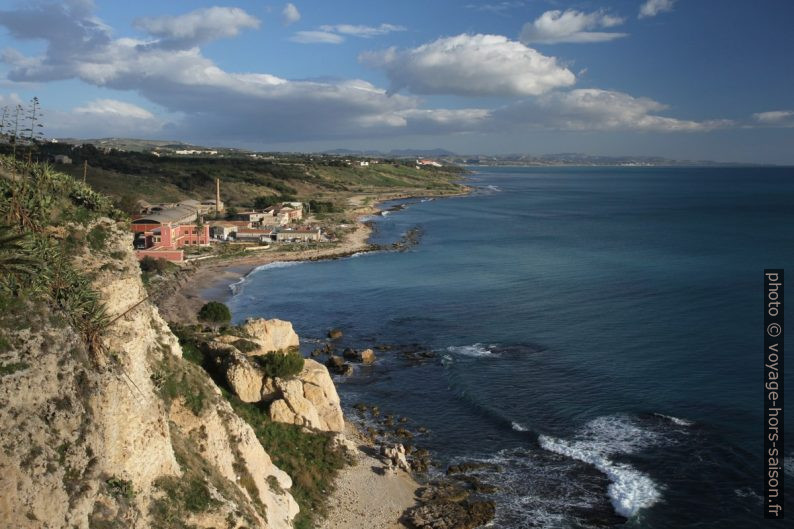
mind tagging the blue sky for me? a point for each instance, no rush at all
(690, 79)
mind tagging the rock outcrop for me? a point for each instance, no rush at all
(120, 437)
(306, 399)
(310, 400)
(270, 335)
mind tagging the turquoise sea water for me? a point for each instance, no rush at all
(598, 332)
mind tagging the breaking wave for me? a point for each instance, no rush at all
(517, 426)
(675, 420)
(476, 350)
(235, 287)
(629, 490)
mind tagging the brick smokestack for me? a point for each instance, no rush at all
(218, 206)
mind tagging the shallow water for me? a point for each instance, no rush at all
(597, 333)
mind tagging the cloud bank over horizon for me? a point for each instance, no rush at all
(497, 85)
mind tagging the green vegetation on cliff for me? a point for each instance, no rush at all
(44, 216)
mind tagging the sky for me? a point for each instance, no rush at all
(684, 79)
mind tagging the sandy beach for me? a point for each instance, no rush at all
(366, 496)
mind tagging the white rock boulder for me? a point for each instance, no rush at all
(270, 335)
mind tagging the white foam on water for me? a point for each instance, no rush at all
(675, 420)
(517, 426)
(275, 264)
(476, 350)
(235, 287)
(747, 492)
(630, 490)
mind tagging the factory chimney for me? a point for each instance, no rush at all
(218, 204)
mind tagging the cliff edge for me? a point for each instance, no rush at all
(103, 424)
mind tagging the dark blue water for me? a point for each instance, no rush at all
(598, 334)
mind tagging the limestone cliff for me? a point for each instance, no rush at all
(134, 437)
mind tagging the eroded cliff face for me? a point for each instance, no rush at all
(133, 437)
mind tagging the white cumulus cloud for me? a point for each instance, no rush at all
(290, 14)
(779, 118)
(471, 65)
(651, 8)
(196, 99)
(197, 27)
(571, 26)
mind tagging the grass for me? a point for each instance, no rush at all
(97, 237)
(180, 498)
(177, 498)
(308, 458)
(13, 367)
(179, 380)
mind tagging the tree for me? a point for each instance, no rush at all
(3, 120)
(231, 212)
(34, 115)
(17, 112)
(215, 313)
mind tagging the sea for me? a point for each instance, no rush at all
(595, 332)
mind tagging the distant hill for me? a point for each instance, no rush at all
(576, 159)
(554, 159)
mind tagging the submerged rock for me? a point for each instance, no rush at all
(334, 334)
(366, 356)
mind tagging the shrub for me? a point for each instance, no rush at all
(215, 312)
(281, 364)
(245, 346)
(152, 265)
(97, 237)
(121, 488)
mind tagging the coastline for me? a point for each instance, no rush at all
(210, 280)
(365, 494)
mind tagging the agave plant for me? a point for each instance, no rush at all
(16, 262)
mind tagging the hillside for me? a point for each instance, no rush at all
(130, 175)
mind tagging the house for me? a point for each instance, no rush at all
(167, 240)
(62, 158)
(363, 163)
(254, 235)
(210, 206)
(285, 213)
(159, 216)
(299, 234)
(254, 217)
(426, 162)
(223, 230)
